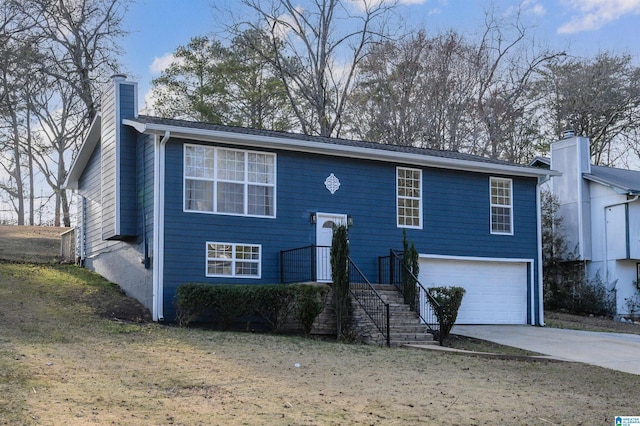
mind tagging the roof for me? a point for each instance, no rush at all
(621, 180)
(324, 145)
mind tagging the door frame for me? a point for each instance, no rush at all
(323, 259)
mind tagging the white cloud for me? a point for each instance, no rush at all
(594, 14)
(160, 64)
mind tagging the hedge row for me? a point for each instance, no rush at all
(272, 302)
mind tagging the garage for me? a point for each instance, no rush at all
(496, 290)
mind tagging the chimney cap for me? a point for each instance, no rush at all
(569, 133)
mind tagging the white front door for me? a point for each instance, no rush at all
(324, 236)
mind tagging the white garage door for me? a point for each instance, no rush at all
(496, 292)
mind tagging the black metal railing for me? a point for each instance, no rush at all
(313, 263)
(370, 300)
(392, 270)
(310, 263)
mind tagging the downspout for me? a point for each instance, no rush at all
(539, 261)
(606, 252)
(158, 225)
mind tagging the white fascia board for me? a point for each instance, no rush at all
(82, 159)
(261, 141)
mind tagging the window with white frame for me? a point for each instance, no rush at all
(409, 197)
(233, 260)
(501, 205)
(229, 181)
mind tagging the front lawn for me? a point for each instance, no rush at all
(70, 355)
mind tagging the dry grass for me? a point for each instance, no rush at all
(38, 244)
(75, 351)
(63, 362)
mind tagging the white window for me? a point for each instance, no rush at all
(409, 197)
(228, 181)
(233, 260)
(501, 206)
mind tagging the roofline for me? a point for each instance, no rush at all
(292, 144)
(617, 188)
(86, 149)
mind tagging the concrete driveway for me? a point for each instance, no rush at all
(616, 351)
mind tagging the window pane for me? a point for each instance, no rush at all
(246, 269)
(501, 219)
(220, 251)
(198, 161)
(248, 252)
(231, 165)
(261, 168)
(260, 200)
(230, 198)
(215, 267)
(198, 195)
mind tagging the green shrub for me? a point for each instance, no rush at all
(191, 303)
(273, 302)
(449, 299)
(309, 303)
(411, 263)
(340, 276)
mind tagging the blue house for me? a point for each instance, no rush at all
(165, 202)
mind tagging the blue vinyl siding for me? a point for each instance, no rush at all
(118, 144)
(127, 167)
(455, 217)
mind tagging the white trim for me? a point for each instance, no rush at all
(215, 180)
(539, 231)
(491, 205)
(477, 258)
(323, 271)
(301, 145)
(398, 168)
(158, 226)
(233, 261)
(118, 131)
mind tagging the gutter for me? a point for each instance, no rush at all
(539, 261)
(158, 225)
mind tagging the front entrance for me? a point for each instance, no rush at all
(324, 236)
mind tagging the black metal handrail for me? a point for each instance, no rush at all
(302, 264)
(392, 270)
(370, 300)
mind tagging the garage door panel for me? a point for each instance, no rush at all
(495, 293)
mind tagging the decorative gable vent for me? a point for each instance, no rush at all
(118, 166)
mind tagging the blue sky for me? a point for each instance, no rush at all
(582, 27)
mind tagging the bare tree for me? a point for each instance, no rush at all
(15, 56)
(507, 61)
(417, 91)
(598, 98)
(80, 41)
(316, 47)
(78, 52)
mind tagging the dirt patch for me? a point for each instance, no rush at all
(36, 244)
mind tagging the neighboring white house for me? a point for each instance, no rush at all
(600, 207)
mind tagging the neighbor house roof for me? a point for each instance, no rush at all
(324, 145)
(621, 180)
